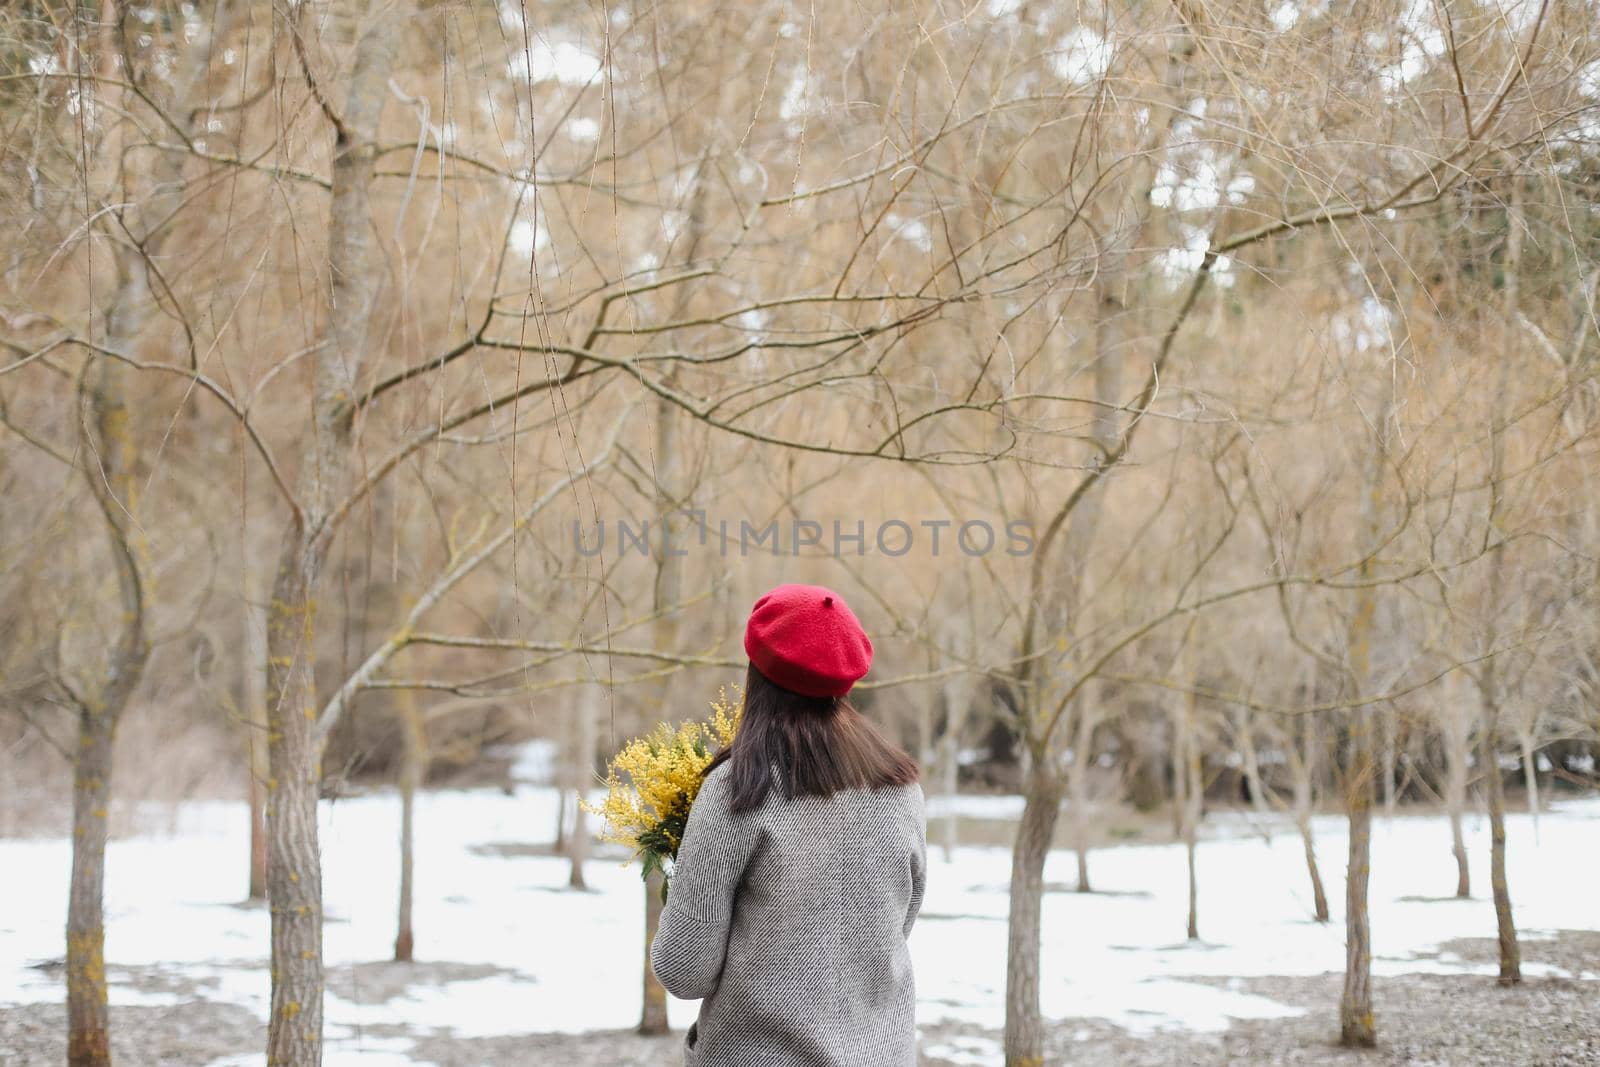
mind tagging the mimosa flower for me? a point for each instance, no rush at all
(652, 782)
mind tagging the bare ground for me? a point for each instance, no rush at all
(1423, 1020)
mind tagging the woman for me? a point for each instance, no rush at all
(802, 865)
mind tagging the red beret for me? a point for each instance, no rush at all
(804, 638)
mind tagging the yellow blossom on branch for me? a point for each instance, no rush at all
(652, 782)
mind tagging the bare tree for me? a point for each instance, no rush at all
(414, 759)
(1303, 762)
(140, 200)
(1187, 772)
(108, 435)
(1056, 262)
(1456, 732)
(1357, 1026)
(252, 672)
(294, 878)
(1488, 676)
(585, 717)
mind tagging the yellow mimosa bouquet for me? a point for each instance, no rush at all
(652, 782)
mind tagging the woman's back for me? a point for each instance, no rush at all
(801, 868)
(791, 920)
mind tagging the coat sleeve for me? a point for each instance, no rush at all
(919, 862)
(692, 937)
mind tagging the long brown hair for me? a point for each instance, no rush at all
(819, 744)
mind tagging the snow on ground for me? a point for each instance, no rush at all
(1120, 952)
(569, 961)
(975, 806)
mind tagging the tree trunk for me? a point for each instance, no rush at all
(1454, 729)
(254, 688)
(1455, 794)
(1193, 787)
(295, 738)
(405, 937)
(560, 845)
(671, 497)
(1489, 678)
(1304, 810)
(666, 595)
(957, 698)
(1024, 1031)
(1254, 786)
(1458, 848)
(1530, 773)
(653, 1019)
(1319, 898)
(107, 433)
(1081, 834)
(949, 826)
(294, 856)
(587, 712)
(1506, 927)
(1078, 791)
(1193, 929)
(1357, 1026)
(413, 767)
(88, 1038)
(257, 888)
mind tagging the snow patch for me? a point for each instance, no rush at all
(488, 893)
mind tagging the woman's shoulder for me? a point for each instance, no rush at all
(910, 797)
(890, 811)
(904, 799)
(717, 794)
(716, 787)
(904, 793)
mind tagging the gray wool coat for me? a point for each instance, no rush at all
(790, 924)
